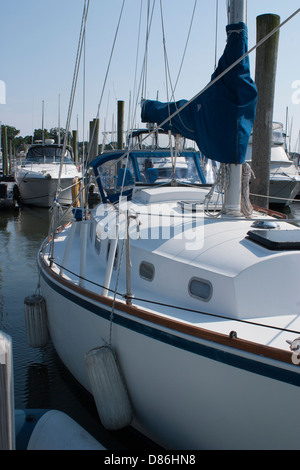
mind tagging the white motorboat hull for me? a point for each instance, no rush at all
(189, 389)
(41, 191)
(284, 175)
(43, 170)
(283, 191)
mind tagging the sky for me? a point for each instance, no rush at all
(39, 41)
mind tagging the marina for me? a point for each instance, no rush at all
(143, 282)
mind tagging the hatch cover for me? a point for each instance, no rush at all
(276, 239)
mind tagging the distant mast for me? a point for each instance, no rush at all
(58, 136)
(237, 14)
(43, 131)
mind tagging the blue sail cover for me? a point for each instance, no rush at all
(221, 119)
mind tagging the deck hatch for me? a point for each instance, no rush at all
(277, 240)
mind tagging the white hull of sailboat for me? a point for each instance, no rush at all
(194, 383)
(188, 392)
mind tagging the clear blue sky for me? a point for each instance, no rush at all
(38, 45)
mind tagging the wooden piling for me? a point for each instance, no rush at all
(5, 152)
(10, 156)
(121, 106)
(265, 77)
(94, 139)
(75, 146)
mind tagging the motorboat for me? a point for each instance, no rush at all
(182, 284)
(38, 176)
(284, 173)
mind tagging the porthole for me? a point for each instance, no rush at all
(147, 271)
(200, 289)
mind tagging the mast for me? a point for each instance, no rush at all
(237, 11)
(43, 130)
(237, 14)
(58, 137)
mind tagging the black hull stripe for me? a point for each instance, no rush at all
(216, 354)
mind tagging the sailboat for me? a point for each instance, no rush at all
(187, 297)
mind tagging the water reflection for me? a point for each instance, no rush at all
(40, 379)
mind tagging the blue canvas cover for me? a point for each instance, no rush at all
(220, 120)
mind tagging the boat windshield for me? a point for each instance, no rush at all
(161, 169)
(48, 154)
(145, 168)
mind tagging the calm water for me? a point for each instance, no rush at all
(41, 381)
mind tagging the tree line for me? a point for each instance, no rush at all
(20, 143)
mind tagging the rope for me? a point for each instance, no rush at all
(246, 206)
(274, 197)
(219, 187)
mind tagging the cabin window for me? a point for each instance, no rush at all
(147, 271)
(200, 289)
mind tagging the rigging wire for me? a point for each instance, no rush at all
(107, 72)
(145, 65)
(216, 36)
(56, 208)
(74, 83)
(221, 75)
(186, 44)
(84, 97)
(135, 93)
(142, 85)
